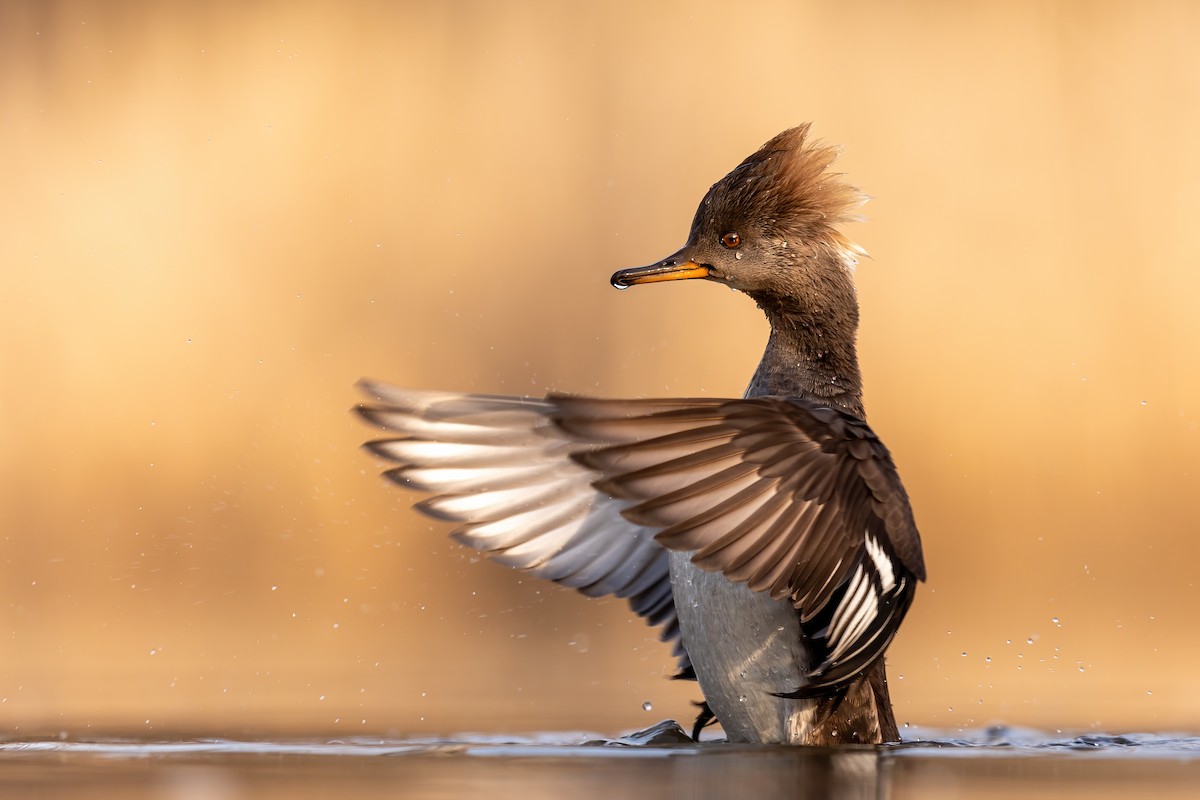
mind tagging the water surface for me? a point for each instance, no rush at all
(659, 762)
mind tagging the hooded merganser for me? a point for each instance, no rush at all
(770, 537)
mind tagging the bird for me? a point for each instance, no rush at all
(769, 537)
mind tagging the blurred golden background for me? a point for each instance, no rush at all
(216, 217)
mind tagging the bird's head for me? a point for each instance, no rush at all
(770, 227)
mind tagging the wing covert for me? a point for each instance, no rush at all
(789, 497)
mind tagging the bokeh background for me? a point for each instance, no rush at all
(215, 217)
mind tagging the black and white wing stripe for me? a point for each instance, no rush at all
(858, 623)
(499, 466)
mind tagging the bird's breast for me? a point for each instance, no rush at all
(744, 647)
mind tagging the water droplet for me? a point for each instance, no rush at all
(1029, 640)
(647, 706)
(742, 697)
(964, 653)
(1055, 621)
(1081, 669)
(988, 659)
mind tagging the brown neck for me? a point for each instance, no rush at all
(810, 354)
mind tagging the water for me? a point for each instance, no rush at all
(658, 762)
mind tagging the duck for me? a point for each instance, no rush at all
(769, 537)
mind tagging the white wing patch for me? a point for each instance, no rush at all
(859, 606)
(883, 564)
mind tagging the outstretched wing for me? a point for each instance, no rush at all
(502, 468)
(789, 497)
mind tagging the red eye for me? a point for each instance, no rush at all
(732, 240)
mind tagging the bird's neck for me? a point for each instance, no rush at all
(811, 355)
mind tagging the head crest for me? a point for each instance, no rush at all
(788, 185)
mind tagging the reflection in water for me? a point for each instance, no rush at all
(994, 763)
(761, 772)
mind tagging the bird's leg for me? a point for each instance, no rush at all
(705, 718)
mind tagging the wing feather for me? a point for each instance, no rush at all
(789, 497)
(505, 472)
